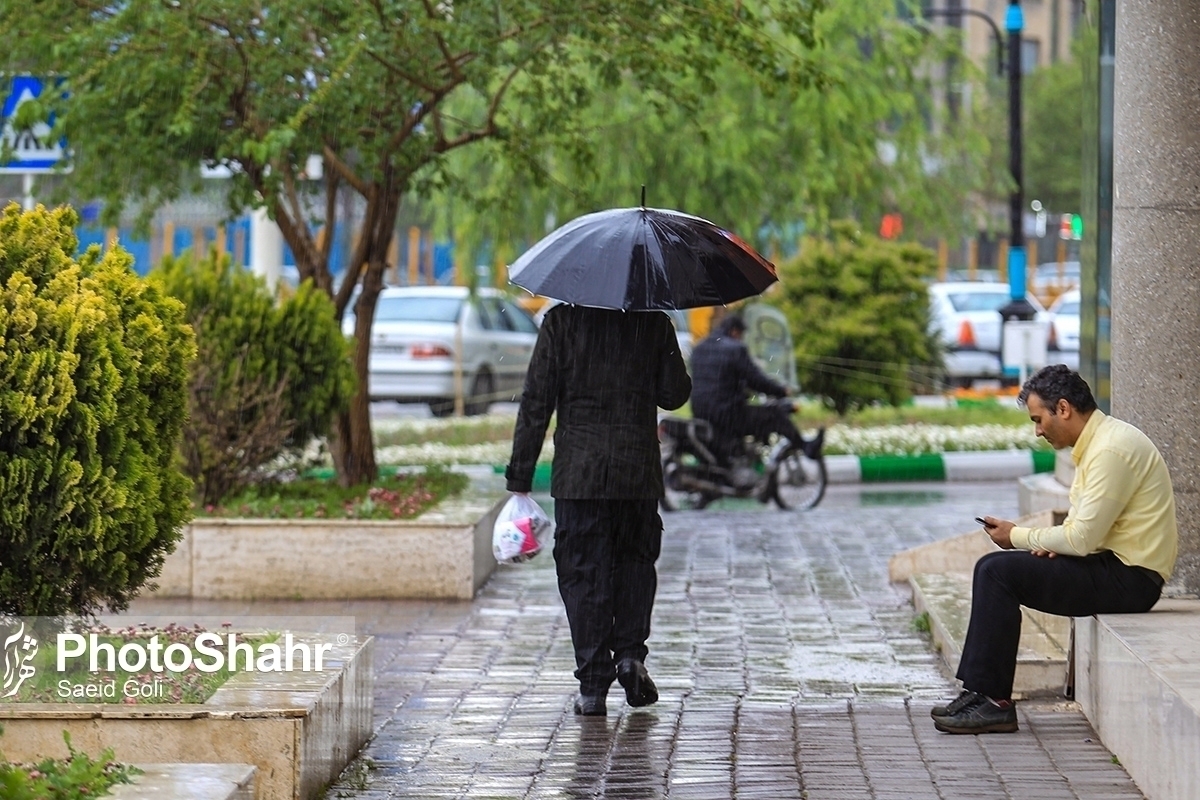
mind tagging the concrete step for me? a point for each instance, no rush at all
(1045, 638)
(1137, 682)
(189, 782)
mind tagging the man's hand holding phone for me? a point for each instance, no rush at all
(998, 529)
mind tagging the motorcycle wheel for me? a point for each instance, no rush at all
(678, 499)
(799, 481)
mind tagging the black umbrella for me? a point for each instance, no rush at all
(638, 259)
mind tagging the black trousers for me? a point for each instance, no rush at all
(762, 421)
(604, 551)
(1069, 586)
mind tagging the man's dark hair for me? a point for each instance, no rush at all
(730, 325)
(1058, 382)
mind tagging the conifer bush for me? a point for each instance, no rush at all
(269, 376)
(859, 313)
(94, 365)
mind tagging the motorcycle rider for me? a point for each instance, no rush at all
(722, 373)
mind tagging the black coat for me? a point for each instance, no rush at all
(605, 373)
(722, 374)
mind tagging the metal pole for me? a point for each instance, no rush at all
(27, 191)
(1018, 307)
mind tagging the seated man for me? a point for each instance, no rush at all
(1111, 555)
(722, 374)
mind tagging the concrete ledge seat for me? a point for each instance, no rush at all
(1137, 682)
(1045, 638)
(188, 782)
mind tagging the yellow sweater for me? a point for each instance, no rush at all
(1121, 500)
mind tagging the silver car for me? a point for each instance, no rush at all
(967, 319)
(415, 352)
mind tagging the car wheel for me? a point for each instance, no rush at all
(441, 408)
(482, 391)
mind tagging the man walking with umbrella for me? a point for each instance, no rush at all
(605, 364)
(605, 372)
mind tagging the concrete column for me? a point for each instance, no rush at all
(1156, 247)
(266, 247)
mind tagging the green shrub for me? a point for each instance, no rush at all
(858, 309)
(77, 777)
(93, 394)
(269, 374)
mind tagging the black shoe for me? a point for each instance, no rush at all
(953, 706)
(812, 447)
(591, 705)
(639, 689)
(972, 712)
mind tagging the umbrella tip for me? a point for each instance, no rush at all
(643, 195)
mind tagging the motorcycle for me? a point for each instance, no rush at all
(695, 473)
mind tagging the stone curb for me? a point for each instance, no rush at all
(966, 466)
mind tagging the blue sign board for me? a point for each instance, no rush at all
(28, 151)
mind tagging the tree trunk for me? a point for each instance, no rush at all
(353, 447)
(352, 444)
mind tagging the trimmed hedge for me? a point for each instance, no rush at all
(93, 395)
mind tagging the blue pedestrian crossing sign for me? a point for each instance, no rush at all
(26, 150)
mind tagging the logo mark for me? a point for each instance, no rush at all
(19, 650)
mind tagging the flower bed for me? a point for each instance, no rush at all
(76, 684)
(299, 728)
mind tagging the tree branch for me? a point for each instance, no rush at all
(489, 126)
(344, 171)
(451, 62)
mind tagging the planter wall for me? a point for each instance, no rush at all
(445, 553)
(299, 729)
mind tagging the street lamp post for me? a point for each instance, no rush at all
(1018, 308)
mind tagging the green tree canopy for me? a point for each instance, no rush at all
(767, 160)
(383, 91)
(1053, 138)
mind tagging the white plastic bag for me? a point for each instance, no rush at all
(519, 530)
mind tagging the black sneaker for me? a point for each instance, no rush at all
(591, 705)
(639, 689)
(972, 712)
(953, 706)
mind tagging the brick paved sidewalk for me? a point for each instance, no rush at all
(788, 667)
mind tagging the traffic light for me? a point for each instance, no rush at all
(1070, 226)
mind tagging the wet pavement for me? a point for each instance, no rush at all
(788, 667)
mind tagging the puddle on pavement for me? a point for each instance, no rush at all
(901, 498)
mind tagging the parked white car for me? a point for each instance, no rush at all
(413, 346)
(1063, 347)
(966, 316)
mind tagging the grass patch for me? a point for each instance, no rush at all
(921, 622)
(401, 496)
(811, 415)
(77, 684)
(77, 777)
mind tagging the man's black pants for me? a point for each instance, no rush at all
(604, 551)
(762, 421)
(1069, 586)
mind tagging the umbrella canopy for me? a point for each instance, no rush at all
(639, 259)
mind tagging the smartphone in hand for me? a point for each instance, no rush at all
(981, 521)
